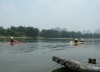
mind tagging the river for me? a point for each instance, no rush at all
(36, 55)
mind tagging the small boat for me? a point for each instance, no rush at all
(79, 42)
(76, 65)
(13, 42)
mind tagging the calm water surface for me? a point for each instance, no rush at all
(36, 55)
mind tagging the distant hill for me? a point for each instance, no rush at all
(86, 32)
(59, 29)
(97, 31)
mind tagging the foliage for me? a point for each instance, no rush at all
(47, 33)
(66, 34)
(19, 31)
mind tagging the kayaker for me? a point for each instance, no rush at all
(76, 40)
(12, 40)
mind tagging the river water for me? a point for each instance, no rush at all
(36, 55)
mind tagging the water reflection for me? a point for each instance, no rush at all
(46, 45)
(28, 47)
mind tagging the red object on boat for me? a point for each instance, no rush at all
(13, 42)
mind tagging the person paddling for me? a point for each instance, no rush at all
(76, 40)
(12, 40)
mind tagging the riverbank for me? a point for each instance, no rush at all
(14, 37)
(24, 37)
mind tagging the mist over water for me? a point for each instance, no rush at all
(36, 55)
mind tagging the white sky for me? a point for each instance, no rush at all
(75, 15)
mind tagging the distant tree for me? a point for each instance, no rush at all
(2, 31)
(47, 33)
(31, 32)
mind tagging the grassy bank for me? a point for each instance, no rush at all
(22, 37)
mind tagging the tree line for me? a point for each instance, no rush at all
(19, 31)
(46, 33)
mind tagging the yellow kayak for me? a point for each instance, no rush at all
(72, 42)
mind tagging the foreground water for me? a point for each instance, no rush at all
(36, 55)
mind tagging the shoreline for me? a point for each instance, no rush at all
(43, 37)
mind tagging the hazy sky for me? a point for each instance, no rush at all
(76, 15)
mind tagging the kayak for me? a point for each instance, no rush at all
(13, 42)
(72, 42)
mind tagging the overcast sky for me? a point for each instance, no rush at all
(75, 15)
